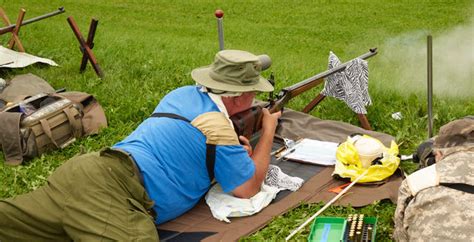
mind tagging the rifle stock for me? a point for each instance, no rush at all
(249, 122)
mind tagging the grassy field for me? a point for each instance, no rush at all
(147, 48)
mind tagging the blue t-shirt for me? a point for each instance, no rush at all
(171, 155)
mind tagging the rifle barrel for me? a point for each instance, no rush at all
(327, 73)
(10, 28)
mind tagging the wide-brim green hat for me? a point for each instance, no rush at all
(235, 71)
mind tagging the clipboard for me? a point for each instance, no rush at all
(311, 151)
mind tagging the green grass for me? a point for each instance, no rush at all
(147, 48)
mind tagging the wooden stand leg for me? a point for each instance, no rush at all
(89, 42)
(15, 39)
(5, 19)
(313, 103)
(364, 122)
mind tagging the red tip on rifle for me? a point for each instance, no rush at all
(219, 13)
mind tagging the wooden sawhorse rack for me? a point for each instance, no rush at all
(364, 122)
(15, 39)
(86, 46)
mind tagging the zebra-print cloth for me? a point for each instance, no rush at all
(277, 178)
(350, 85)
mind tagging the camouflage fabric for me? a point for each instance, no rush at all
(454, 136)
(456, 133)
(439, 213)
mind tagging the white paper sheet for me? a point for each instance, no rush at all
(19, 59)
(313, 151)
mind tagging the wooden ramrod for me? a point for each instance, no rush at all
(249, 122)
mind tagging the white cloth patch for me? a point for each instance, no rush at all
(19, 59)
(220, 105)
(225, 205)
(350, 85)
(422, 179)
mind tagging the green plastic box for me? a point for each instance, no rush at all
(332, 229)
(372, 220)
(327, 229)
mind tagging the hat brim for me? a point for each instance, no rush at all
(201, 76)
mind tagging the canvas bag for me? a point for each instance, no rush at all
(57, 121)
(21, 135)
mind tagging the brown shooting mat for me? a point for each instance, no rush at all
(198, 223)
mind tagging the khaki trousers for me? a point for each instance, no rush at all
(92, 197)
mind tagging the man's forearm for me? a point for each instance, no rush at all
(261, 155)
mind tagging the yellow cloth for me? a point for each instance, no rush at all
(348, 164)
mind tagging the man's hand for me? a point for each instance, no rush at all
(246, 143)
(270, 120)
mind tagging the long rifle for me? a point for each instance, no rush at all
(249, 122)
(10, 28)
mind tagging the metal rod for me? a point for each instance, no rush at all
(430, 85)
(10, 28)
(220, 29)
(327, 205)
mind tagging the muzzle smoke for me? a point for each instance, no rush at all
(405, 58)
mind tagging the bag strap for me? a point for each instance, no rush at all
(75, 123)
(75, 126)
(10, 138)
(47, 131)
(210, 148)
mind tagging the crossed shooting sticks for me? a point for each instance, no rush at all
(86, 46)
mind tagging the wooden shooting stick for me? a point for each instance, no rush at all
(86, 47)
(327, 205)
(15, 39)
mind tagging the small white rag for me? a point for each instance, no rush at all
(225, 205)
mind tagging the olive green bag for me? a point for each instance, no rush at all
(45, 122)
(36, 118)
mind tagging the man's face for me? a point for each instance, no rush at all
(238, 104)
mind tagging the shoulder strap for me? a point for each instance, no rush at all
(460, 187)
(210, 148)
(170, 115)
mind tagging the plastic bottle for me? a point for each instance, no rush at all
(27, 108)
